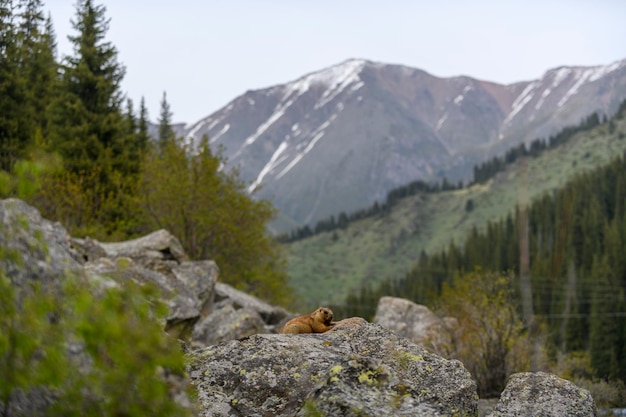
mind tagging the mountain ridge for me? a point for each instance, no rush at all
(340, 138)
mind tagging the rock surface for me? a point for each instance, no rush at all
(155, 251)
(545, 395)
(227, 323)
(415, 322)
(270, 314)
(356, 369)
(33, 248)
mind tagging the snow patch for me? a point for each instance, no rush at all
(585, 75)
(545, 94)
(317, 135)
(458, 99)
(195, 129)
(599, 72)
(339, 78)
(220, 133)
(582, 77)
(441, 121)
(335, 79)
(522, 100)
(268, 167)
(279, 112)
(560, 75)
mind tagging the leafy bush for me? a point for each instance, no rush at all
(92, 351)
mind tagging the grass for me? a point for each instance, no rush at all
(326, 267)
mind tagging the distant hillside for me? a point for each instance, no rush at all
(340, 138)
(327, 266)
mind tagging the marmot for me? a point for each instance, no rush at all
(319, 321)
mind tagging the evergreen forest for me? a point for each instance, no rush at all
(74, 146)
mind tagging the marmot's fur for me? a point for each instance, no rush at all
(319, 321)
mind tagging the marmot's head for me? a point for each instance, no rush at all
(326, 314)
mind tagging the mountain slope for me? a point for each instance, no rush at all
(340, 138)
(327, 266)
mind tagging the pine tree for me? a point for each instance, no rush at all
(604, 328)
(143, 137)
(88, 120)
(166, 134)
(38, 65)
(12, 140)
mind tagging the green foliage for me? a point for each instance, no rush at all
(87, 116)
(387, 245)
(31, 345)
(27, 77)
(28, 174)
(123, 353)
(489, 328)
(129, 352)
(577, 241)
(84, 203)
(184, 190)
(68, 147)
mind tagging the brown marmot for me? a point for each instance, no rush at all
(319, 321)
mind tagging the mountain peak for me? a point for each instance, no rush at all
(334, 79)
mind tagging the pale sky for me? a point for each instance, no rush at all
(204, 53)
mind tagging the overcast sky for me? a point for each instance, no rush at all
(204, 53)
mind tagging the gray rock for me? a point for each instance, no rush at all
(357, 369)
(33, 248)
(270, 314)
(540, 394)
(227, 323)
(415, 322)
(188, 290)
(155, 251)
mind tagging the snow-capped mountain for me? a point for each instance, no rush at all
(340, 138)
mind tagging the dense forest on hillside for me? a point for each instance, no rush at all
(576, 264)
(75, 147)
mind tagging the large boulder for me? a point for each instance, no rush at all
(415, 322)
(227, 323)
(357, 368)
(236, 315)
(158, 250)
(545, 395)
(270, 314)
(33, 248)
(187, 288)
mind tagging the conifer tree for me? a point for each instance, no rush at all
(88, 120)
(166, 133)
(143, 137)
(38, 67)
(604, 329)
(11, 90)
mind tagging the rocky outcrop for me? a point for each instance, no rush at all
(415, 322)
(356, 369)
(158, 251)
(543, 394)
(270, 314)
(36, 249)
(188, 288)
(33, 248)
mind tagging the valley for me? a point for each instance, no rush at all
(324, 268)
